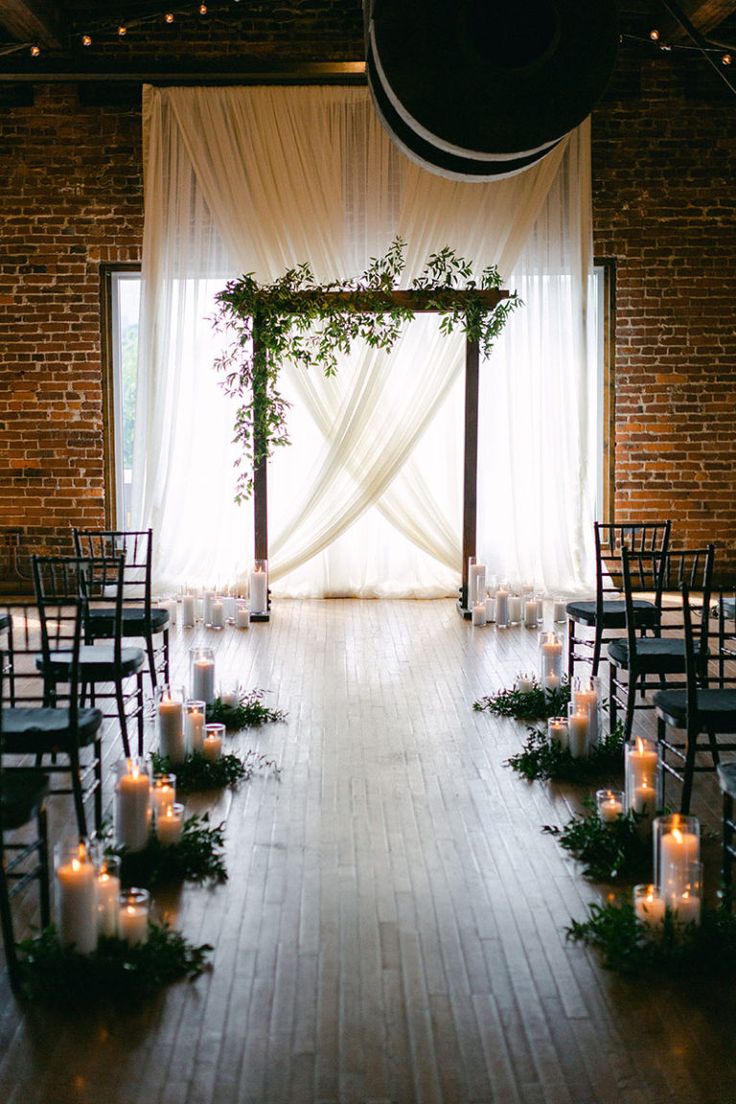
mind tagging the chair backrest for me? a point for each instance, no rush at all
(696, 645)
(67, 589)
(662, 572)
(644, 538)
(136, 548)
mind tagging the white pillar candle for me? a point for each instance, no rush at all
(479, 613)
(578, 729)
(194, 714)
(212, 744)
(169, 826)
(531, 613)
(552, 682)
(490, 610)
(108, 892)
(133, 916)
(559, 610)
(557, 730)
(550, 651)
(242, 617)
(171, 728)
(203, 680)
(641, 765)
(163, 793)
(502, 608)
(643, 799)
(649, 905)
(679, 854)
(514, 609)
(259, 590)
(587, 698)
(218, 614)
(209, 599)
(476, 584)
(229, 603)
(77, 902)
(131, 807)
(687, 907)
(610, 805)
(187, 611)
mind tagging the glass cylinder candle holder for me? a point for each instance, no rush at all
(132, 796)
(478, 610)
(207, 604)
(170, 723)
(169, 825)
(490, 607)
(502, 608)
(242, 615)
(107, 872)
(532, 611)
(676, 854)
(611, 804)
(163, 793)
(229, 602)
(686, 905)
(259, 587)
(188, 611)
(586, 695)
(557, 731)
(202, 674)
(134, 906)
(76, 896)
(217, 613)
(559, 610)
(231, 698)
(525, 684)
(214, 735)
(476, 584)
(642, 776)
(578, 730)
(195, 712)
(649, 905)
(550, 660)
(514, 608)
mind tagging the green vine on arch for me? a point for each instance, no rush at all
(298, 320)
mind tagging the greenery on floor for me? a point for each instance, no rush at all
(536, 704)
(197, 773)
(115, 973)
(544, 759)
(629, 946)
(618, 851)
(197, 857)
(248, 713)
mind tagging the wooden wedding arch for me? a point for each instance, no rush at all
(418, 302)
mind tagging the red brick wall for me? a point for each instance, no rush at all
(664, 199)
(664, 166)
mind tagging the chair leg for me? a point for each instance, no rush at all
(140, 707)
(714, 748)
(97, 751)
(630, 704)
(661, 734)
(151, 662)
(570, 648)
(122, 717)
(687, 785)
(6, 922)
(612, 691)
(727, 872)
(77, 791)
(43, 866)
(167, 677)
(597, 649)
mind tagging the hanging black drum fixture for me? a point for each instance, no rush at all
(481, 89)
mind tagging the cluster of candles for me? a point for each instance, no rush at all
(678, 873)
(641, 773)
(143, 805)
(90, 902)
(580, 730)
(182, 722)
(491, 602)
(216, 607)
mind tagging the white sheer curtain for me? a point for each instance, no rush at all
(367, 500)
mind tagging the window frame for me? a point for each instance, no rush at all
(606, 289)
(111, 410)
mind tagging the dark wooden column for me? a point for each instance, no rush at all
(470, 468)
(260, 470)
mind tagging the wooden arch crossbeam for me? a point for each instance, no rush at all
(418, 302)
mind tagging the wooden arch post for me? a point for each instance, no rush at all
(419, 302)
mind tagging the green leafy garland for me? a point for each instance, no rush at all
(197, 857)
(536, 704)
(618, 851)
(115, 973)
(631, 947)
(543, 759)
(197, 773)
(300, 321)
(248, 713)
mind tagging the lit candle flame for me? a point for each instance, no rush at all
(639, 744)
(677, 835)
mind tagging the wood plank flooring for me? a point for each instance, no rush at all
(393, 926)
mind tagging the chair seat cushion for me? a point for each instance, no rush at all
(28, 729)
(4, 621)
(96, 663)
(716, 708)
(728, 605)
(22, 792)
(102, 621)
(665, 655)
(614, 613)
(727, 778)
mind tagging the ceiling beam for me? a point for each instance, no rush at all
(35, 21)
(705, 16)
(178, 71)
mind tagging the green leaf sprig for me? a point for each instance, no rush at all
(248, 713)
(543, 759)
(539, 703)
(615, 852)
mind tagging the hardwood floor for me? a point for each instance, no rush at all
(393, 926)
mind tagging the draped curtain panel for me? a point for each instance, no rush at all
(367, 500)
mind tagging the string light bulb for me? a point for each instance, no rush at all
(727, 59)
(202, 9)
(86, 40)
(169, 17)
(654, 34)
(35, 51)
(122, 30)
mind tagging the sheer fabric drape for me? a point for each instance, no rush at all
(367, 499)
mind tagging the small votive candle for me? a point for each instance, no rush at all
(242, 616)
(649, 905)
(212, 744)
(557, 731)
(524, 684)
(169, 826)
(163, 793)
(134, 906)
(479, 613)
(108, 892)
(194, 718)
(610, 805)
(230, 698)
